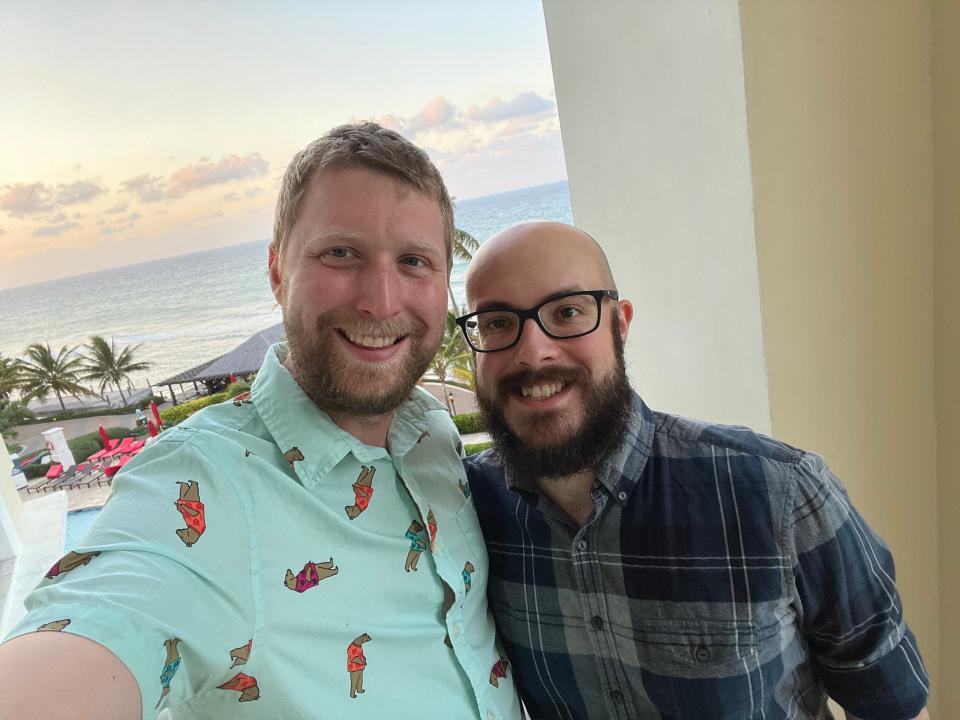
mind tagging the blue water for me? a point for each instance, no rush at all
(191, 308)
(78, 523)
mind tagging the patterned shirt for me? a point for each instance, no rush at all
(242, 558)
(722, 575)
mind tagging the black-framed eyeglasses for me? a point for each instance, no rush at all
(562, 317)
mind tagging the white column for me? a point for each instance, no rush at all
(654, 123)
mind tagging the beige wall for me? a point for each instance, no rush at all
(946, 148)
(839, 108)
(840, 112)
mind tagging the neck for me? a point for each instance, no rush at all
(368, 430)
(571, 494)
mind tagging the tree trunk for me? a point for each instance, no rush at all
(121, 394)
(446, 397)
(62, 406)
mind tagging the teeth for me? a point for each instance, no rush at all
(370, 341)
(541, 392)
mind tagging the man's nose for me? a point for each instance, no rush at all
(535, 347)
(378, 293)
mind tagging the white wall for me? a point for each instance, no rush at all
(653, 117)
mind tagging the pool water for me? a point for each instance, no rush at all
(78, 522)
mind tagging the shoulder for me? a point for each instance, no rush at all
(678, 433)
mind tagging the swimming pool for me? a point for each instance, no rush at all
(78, 522)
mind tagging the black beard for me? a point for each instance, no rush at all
(569, 446)
(338, 386)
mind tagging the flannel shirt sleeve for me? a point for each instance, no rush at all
(849, 609)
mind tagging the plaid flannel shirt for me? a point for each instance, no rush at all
(722, 575)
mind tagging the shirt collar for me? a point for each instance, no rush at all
(296, 422)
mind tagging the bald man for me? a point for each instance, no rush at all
(644, 565)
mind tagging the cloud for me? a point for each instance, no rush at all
(53, 230)
(253, 192)
(202, 174)
(117, 209)
(153, 188)
(78, 191)
(526, 103)
(437, 114)
(120, 224)
(25, 199)
(231, 197)
(57, 218)
(22, 199)
(148, 188)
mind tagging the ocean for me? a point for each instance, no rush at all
(189, 309)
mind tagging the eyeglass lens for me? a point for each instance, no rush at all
(564, 317)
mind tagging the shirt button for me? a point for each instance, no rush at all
(622, 496)
(701, 653)
(616, 696)
(582, 545)
(597, 622)
(490, 715)
(457, 629)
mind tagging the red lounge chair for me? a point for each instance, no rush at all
(54, 471)
(137, 447)
(111, 470)
(124, 447)
(114, 442)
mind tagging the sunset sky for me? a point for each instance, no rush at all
(131, 131)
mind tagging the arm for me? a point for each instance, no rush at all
(56, 676)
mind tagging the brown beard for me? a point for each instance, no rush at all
(565, 445)
(338, 384)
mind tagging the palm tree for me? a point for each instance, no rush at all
(106, 366)
(452, 359)
(42, 372)
(464, 246)
(9, 377)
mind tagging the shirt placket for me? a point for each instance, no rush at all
(589, 574)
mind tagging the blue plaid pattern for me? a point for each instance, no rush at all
(721, 576)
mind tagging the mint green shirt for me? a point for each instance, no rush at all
(258, 561)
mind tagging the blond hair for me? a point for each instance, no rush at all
(365, 145)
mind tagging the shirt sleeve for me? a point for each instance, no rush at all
(849, 609)
(170, 602)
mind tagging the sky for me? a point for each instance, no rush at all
(131, 131)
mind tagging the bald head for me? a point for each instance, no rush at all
(540, 247)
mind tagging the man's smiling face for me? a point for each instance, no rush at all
(550, 402)
(363, 286)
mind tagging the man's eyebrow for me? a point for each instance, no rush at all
(504, 305)
(337, 233)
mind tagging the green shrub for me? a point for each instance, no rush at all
(474, 448)
(468, 423)
(178, 413)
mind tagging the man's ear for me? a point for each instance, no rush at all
(625, 308)
(273, 270)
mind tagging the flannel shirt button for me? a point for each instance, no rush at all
(701, 653)
(616, 696)
(597, 622)
(622, 496)
(582, 545)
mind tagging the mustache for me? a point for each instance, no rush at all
(521, 378)
(388, 328)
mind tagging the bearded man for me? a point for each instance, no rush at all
(649, 566)
(336, 454)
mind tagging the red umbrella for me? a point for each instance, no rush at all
(156, 412)
(233, 379)
(152, 429)
(104, 438)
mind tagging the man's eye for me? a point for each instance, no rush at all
(338, 252)
(496, 323)
(568, 312)
(414, 261)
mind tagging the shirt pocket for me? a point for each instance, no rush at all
(701, 669)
